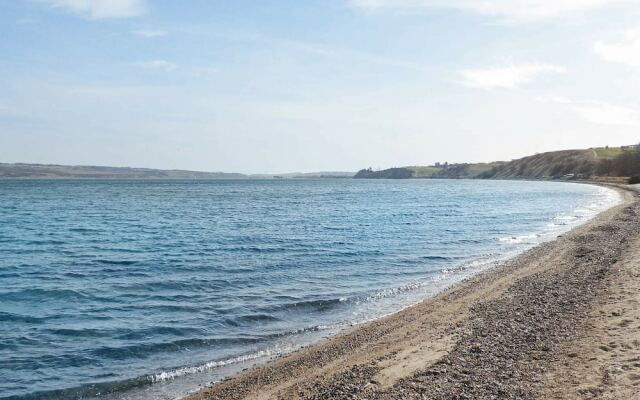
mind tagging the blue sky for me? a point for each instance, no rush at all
(276, 86)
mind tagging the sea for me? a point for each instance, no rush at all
(150, 289)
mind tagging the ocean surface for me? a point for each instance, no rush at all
(147, 289)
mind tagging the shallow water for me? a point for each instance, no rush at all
(148, 288)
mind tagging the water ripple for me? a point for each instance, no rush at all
(110, 285)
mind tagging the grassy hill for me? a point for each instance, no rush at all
(550, 165)
(454, 171)
(390, 173)
(609, 152)
(567, 164)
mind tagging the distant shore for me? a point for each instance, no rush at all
(559, 321)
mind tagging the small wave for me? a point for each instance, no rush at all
(315, 305)
(83, 230)
(144, 350)
(565, 218)
(258, 318)
(79, 332)
(142, 288)
(390, 292)
(46, 241)
(251, 319)
(155, 330)
(74, 275)
(116, 262)
(263, 353)
(583, 211)
(90, 390)
(175, 373)
(520, 239)
(255, 249)
(335, 228)
(11, 317)
(38, 294)
(435, 258)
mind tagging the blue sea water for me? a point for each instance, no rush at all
(146, 289)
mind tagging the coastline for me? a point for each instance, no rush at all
(494, 334)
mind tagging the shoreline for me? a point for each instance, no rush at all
(447, 337)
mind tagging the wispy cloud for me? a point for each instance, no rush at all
(506, 77)
(626, 50)
(599, 112)
(26, 21)
(156, 64)
(9, 111)
(100, 9)
(338, 53)
(150, 33)
(508, 9)
(103, 91)
(608, 114)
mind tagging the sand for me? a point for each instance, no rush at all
(603, 361)
(562, 320)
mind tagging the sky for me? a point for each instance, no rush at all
(315, 85)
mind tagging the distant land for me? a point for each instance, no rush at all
(324, 174)
(54, 171)
(602, 162)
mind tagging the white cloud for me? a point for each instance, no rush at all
(554, 99)
(608, 114)
(150, 33)
(624, 51)
(506, 77)
(99, 9)
(598, 112)
(156, 64)
(509, 9)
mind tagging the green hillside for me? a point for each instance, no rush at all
(607, 152)
(566, 164)
(550, 165)
(424, 171)
(452, 171)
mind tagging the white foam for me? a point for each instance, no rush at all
(175, 373)
(565, 217)
(520, 239)
(605, 198)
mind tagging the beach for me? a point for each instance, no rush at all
(558, 321)
(349, 199)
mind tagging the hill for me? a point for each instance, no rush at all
(550, 165)
(308, 175)
(52, 171)
(391, 173)
(568, 164)
(453, 171)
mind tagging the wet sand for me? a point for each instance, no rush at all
(559, 321)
